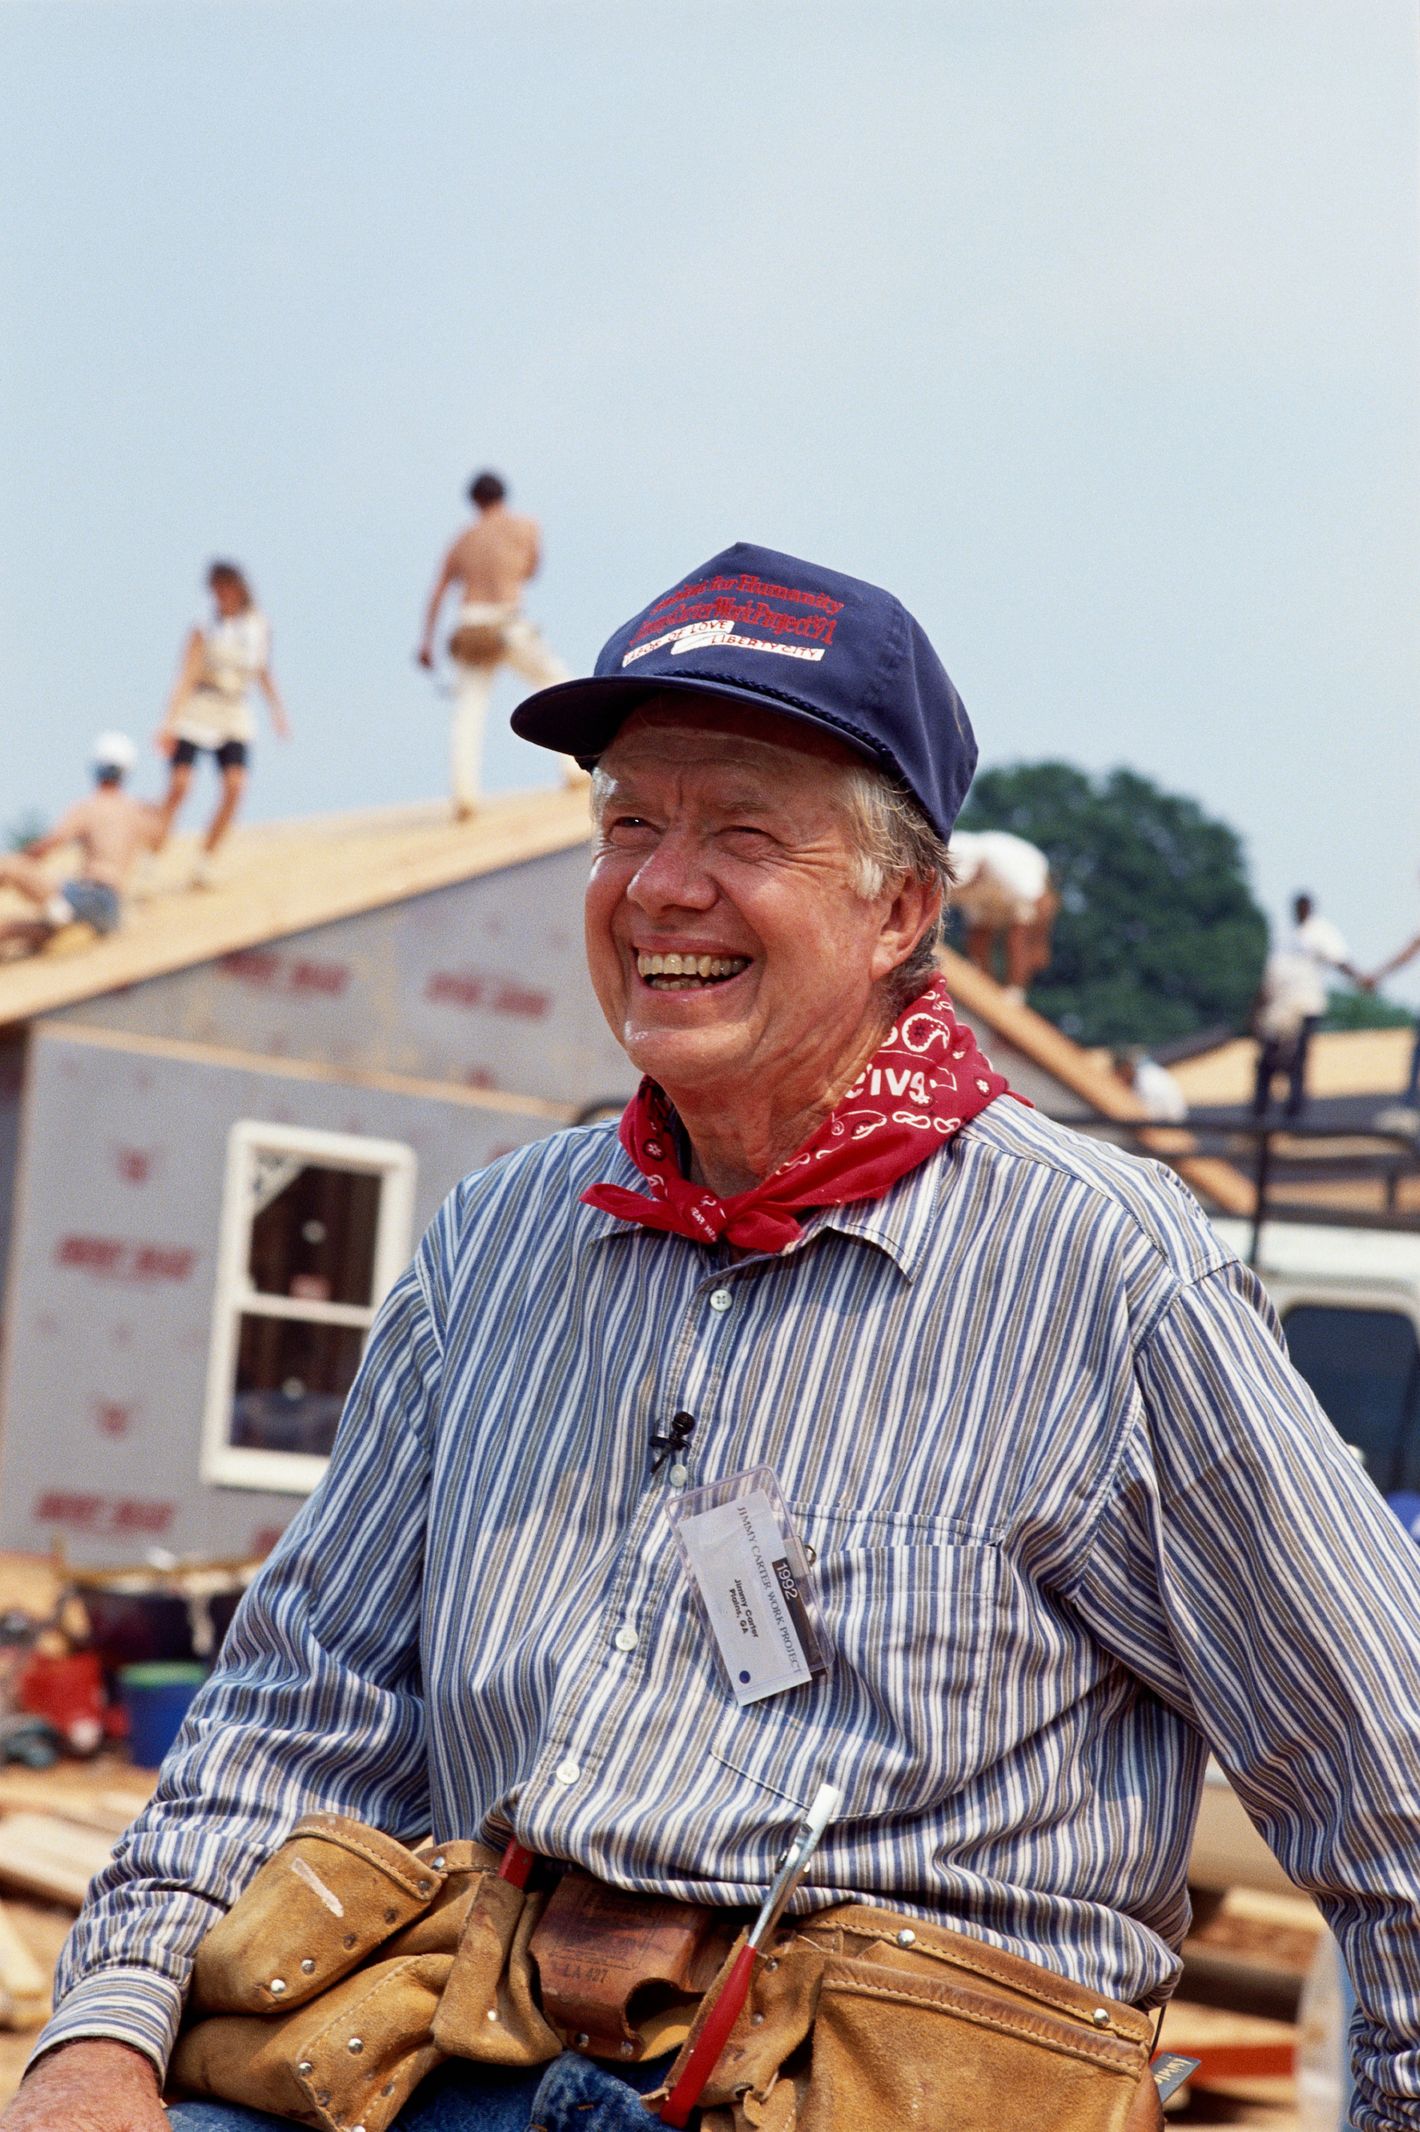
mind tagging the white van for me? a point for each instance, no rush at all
(1349, 1301)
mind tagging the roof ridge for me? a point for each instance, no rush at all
(1046, 1046)
(296, 879)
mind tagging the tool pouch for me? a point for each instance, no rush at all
(477, 643)
(846, 2026)
(614, 1968)
(318, 1908)
(349, 1968)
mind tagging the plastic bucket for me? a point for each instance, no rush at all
(155, 1700)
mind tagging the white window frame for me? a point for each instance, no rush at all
(223, 1463)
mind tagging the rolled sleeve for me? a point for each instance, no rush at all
(317, 1702)
(1248, 1572)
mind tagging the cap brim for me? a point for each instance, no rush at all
(581, 718)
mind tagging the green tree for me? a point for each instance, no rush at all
(1365, 1010)
(1159, 934)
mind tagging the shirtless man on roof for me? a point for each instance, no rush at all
(490, 563)
(111, 830)
(1005, 895)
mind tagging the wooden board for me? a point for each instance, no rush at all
(93, 1805)
(42, 1929)
(978, 995)
(42, 1855)
(24, 1985)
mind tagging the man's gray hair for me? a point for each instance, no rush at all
(893, 838)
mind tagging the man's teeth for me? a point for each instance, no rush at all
(691, 969)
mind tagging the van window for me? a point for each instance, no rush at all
(1364, 1366)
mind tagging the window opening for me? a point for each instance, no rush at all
(315, 1228)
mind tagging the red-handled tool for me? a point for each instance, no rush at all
(730, 1998)
(517, 1863)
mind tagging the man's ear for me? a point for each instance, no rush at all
(915, 908)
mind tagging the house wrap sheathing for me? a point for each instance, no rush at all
(223, 1129)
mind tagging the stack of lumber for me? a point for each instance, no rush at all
(57, 1830)
(24, 1986)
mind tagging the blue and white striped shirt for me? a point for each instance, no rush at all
(1073, 1515)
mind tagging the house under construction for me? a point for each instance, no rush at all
(223, 1128)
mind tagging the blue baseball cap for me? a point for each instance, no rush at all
(770, 629)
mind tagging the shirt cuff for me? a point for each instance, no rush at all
(139, 2007)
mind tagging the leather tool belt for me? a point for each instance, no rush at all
(351, 1967)
(621, 1975)
(477, 643)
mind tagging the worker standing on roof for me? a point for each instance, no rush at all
(1005, 895)
(210, 707)
(1377, 977)
(489, 562)
(111, 830)
(1291, 1001)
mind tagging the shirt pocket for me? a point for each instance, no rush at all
(913, 1618)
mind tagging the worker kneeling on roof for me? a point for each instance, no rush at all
(836, 1419)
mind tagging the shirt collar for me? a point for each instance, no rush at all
(900, 1224)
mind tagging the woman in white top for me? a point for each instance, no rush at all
(210, 707)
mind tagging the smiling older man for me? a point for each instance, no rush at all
(837, 1418)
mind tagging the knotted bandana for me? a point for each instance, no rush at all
(925, 1082)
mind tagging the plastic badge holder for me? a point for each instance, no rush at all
(750, 1577)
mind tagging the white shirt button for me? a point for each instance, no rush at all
(568, 1772)
(678, 1476)
(625, 1639)
(720, 1299)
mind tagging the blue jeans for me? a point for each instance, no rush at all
(571, 2095)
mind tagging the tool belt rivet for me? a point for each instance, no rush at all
(582, 2039)
(1100, 2017)
(308, 1967)
(906, 1938)
(355, 2046)
(277, 1986)
(304, 2067)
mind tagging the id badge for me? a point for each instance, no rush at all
(750, 1575)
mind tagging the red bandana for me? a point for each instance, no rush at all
(922, 1086)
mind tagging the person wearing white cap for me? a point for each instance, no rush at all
(111, 830)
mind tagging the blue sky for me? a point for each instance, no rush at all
(1091, 329)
